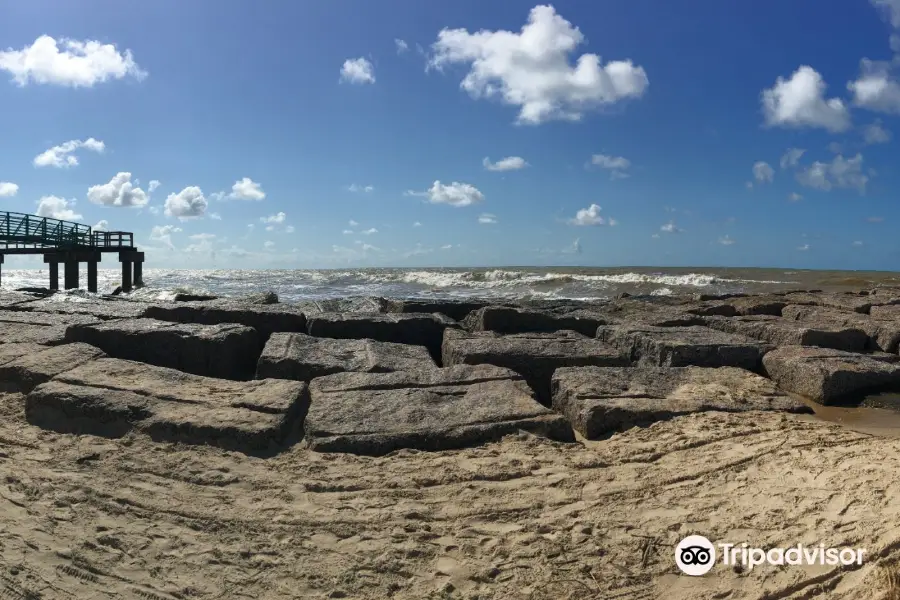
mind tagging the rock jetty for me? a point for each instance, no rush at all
(373, 375)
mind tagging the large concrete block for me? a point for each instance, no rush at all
(434, 409)
(786, 332)
(532, 355)
(23, 366)
(455, 309)
(228, 351)
(505, 319)
(264, 318)
(111, 397)
(597, 400)
(303, 357)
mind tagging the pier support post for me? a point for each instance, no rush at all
(1, 262)
(54, 274)
(70, 278)
(128, 259)
(92, 275)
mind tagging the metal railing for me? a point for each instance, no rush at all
(20, 230)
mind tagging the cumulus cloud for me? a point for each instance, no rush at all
(273, 219)
(57, 208)
(616, 165)
(360, 188)
(357, 70)
(102, 225)
(151, 187)
(876, 88)
(670, 227)
(370, 231)
(531, 70)
(68, 62)
(246, 189)
(846, 173)
(800, 102)
(8, 189)
(63, 155)
(163, 233)
(791, 157)
(189, 203)
(510, 163)
(454, 194)
(269, 244)
(763, 172)
(874, 133)
(401, 45)
(417, 224)
(352, 223)
(589, 217)
(118, 192)
(487, 219)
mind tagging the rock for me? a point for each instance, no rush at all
(781, 332)
(304, 357)
(268, 297)
(534, 356)
(183, 297)
(757, 305)
(265, 319)
(455, 309)
(434, 409)
(883, 333)
(415, 329)
(887, 312)
(714, 309)
(19, 326)
(352, 304)
(597, 400)
(110, 397)
(504, 319)
(117, 291)
(684, 346)
(37, 291)
(100, 309)
(859, 304)
(829, 376)
(26, 365)
(228, 351)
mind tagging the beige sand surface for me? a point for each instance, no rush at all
(86, 517)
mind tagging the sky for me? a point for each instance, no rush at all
(352, 133)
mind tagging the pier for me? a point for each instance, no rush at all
(68, 244)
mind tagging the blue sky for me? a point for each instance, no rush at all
(238, 134)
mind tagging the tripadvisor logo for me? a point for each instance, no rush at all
(695, 555)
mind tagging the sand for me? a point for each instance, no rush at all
(86, 517)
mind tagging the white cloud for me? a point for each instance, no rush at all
(876, 89)
(857, 243)
(78, 64)
(454, 194)
(417, 224)
(187, 204)
(670, 227)
(447, 247)
(62, 156)
(401, 45)
(357, 70)
(163, 233)
(276, 219)
(763, 172)
(487, 219)
(726, 240)
(791, 157)
(289, 229)
(151, 187)
(795, 197)
(874, 133)
(352, 223)
(246, 189)
(655, 236)
(587, 217)
(531, 69)
(891, 10)
(510, 163)
(573, 248)
(349, 232)
(360, 188)
(616, 165)
(57, 208)
(102, 225)
(800, 102)
(118, 192)
(370, 231)
(215, 216)
(839, 173)
(8, 189)
(370, 248)
(803, 248)
(269, 244)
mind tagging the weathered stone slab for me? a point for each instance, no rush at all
(684, 346)
(416, 329)
(264, 318)
(884, 333)
(23, 366)
(886, 311)
(110, 397)
(505, 319)
(99, 309)
(781, 332)
(758, 305)
(435, 409)
(535, 356)
(853, 303)
(17, 299)
(597, 400)
(228, 351)
(349, 304)
(49, 329)
(829, 376)
(303, 357)
(455, 309)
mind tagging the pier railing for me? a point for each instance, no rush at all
(20, 230)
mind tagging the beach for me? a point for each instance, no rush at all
(426, 447)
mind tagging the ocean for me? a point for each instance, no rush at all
(500, 283)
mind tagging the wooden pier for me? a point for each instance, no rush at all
(68, 243)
